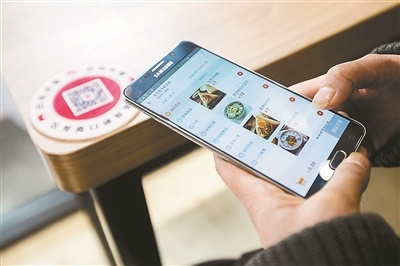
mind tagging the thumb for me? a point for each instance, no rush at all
(369, 72)
(338, 83)
(351, 177)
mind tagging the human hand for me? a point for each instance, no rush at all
(277, 214)
(368, 89)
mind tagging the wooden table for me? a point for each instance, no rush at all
(288, 42)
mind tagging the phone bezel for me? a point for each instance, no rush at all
(177, 55)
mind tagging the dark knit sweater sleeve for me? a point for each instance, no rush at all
(358, 239)
(389, 155)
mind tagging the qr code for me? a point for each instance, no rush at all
(87, 97)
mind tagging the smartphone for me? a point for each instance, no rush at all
(246, 118)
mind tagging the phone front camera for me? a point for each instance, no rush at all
(172, 54)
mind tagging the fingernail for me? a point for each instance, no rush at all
(323, 97)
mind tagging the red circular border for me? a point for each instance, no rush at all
(62, 108)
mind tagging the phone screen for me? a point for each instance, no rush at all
(246, 117)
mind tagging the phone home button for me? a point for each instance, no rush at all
(339, 156)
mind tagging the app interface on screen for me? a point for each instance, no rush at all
(252, 119)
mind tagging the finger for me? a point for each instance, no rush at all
(336, 88)
(350, 178)
(308, 88)
(343, 113)
(363, 150)
(341, 80)
(243, 184)
(229, 173)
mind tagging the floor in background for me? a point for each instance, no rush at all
(196, 218)
(69, 241)
(29, 197)
(24, 177)
(194, 215)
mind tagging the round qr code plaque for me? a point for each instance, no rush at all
(82, 103)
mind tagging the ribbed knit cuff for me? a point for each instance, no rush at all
(389, 48)
(358, 239)
(388, 156)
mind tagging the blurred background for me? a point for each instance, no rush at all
(42, 225)
(195, 217)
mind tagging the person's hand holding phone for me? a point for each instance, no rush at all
(277, 214)
(367, 89)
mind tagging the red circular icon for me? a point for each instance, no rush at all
(292, 99)
(320, 113)
(265, 86)
(82, 103)
(240, 73)
(62, 108)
